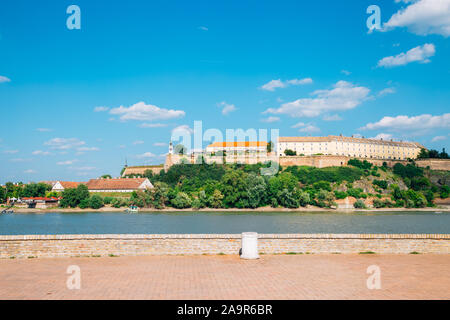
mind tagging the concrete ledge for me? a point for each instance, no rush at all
(50, 246)
(223, 236)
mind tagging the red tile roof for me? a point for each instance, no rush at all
(69, 184)
(115, 184)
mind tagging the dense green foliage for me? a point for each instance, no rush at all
(245, 186)
(73, 197)
(433, 154)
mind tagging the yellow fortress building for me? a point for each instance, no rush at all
(350, 147)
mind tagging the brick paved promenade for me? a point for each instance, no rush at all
(228, 277)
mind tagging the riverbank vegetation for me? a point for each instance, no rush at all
(243, 186)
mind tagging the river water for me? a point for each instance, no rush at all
(224, 222)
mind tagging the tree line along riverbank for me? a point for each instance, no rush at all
(239, 186)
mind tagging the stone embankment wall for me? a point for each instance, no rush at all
(319, 161)
(51, 246)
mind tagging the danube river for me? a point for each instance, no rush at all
(226, 222)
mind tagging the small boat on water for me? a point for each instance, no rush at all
(132, 209)
(7, 211)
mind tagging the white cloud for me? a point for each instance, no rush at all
(419, 124)
(40, 153)
(274, 84)
(384, 136)
(20, 160)
(417, 54)
(11, 151)
(29, 171)
(4, 79)
(271, 119)
(43, 129)
(146, 112)
(101, 109)
(346, 72)
(334, 117)
(64, 143)
(146, 155)
(306, 127)
(203, 28)
(226, 108)
(153, 125)
(423, 17)
(160, 144)
(344, 96)
(84, 149)
(439, 138)
(138, 142)
(183, 129)
(66, 163)
(386, 91)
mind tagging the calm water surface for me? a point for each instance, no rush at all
(226, 222)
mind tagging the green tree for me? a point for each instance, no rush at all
(256, 190)
(269, 147)
(181, 201)
(106, 176)
(73, 197)
(289, 152)
(215, 201)
(96, 202)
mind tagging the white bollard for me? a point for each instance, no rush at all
(249, 245)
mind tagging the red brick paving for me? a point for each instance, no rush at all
(228, 277)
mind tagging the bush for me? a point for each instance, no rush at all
(322, 185)
(107, 200)
(380, 183)
(96, 202)
(84, 204)
(360, 164)
(181, 201)
(445, 191)
(359, 204)
(340, 194)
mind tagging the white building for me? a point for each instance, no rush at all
(350, 147)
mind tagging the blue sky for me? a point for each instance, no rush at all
(306, 68)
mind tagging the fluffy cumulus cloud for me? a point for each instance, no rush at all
(146, 155)
(384, 136)
(275, 84)
(66, 163)
(64, 143)
(333, 117)
(226, 107)
(271, 119)
(101, 109)
(306, 127)
(40, 153)
(386, 91)
(146, 112)
(343, 96)
(418, 54)
(422, 17)
(421, 122)
(439, 138)
(182, 129)
(4, 79)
